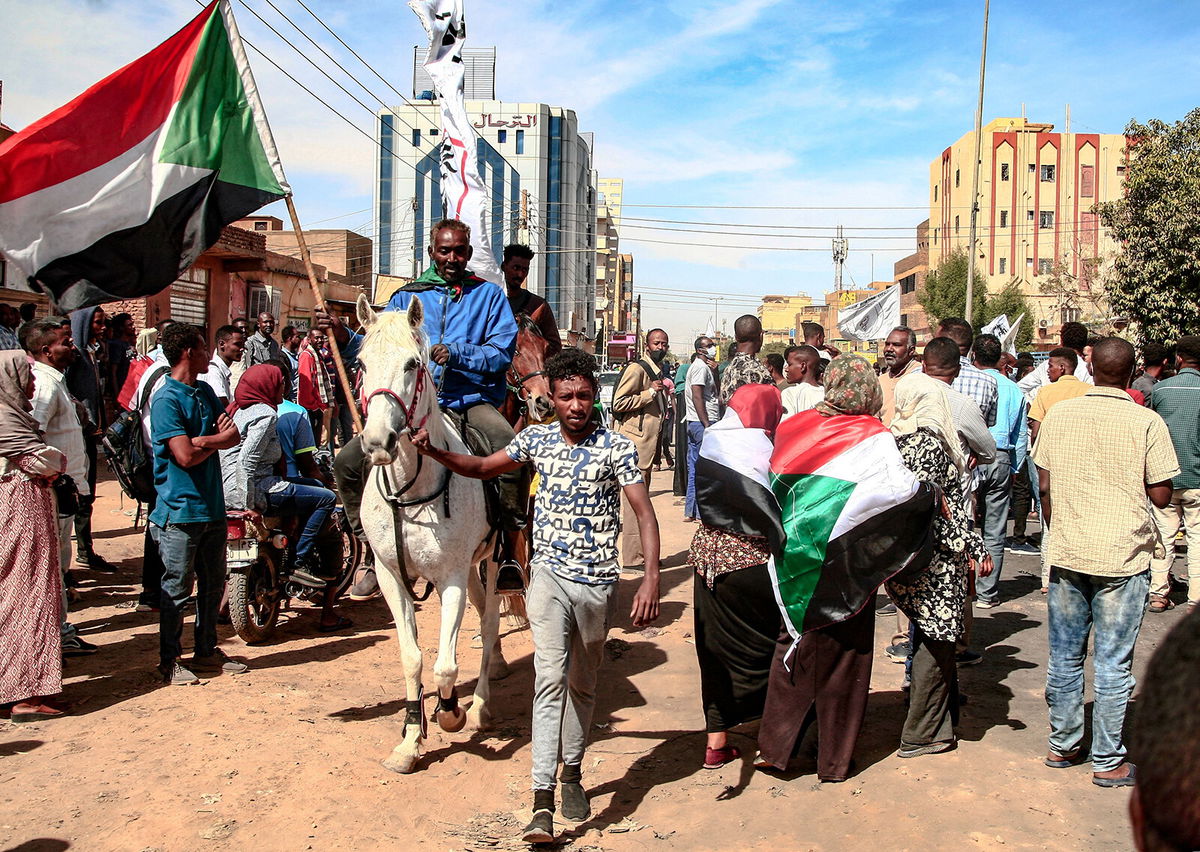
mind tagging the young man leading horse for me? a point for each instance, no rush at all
(473, 336)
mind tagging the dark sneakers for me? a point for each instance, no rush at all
(540, 828)
(367, 587)
(218, 660)
(74, 646)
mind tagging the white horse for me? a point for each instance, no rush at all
(442, 548)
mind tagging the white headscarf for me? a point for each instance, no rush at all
(921, 403)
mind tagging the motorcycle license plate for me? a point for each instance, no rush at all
(241, 550)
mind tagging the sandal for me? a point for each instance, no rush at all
(1160, 603)
(341, 624)
(1065, 760)
(715, 758)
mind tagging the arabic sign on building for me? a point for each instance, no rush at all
(488, 120)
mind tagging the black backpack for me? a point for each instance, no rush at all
(126, 451)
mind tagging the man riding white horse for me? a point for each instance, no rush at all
(473, 335)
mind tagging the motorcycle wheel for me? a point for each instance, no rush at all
(351, 552)
(253, 603)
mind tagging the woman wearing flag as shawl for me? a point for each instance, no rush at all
(737, 619)
(933, 599)
(853, 516)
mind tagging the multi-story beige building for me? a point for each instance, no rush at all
(1037, 195)
(346, 255)
(778, 313)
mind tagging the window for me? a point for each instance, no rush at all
(1029, 263)
(260, 226)
(935, 236)
(502, 136)
(904, 320)
(1046, 219)
(1004, 266)
(956, 224)
(261, 300)
(433, 131)
(416, 137)
(1032, 168)
(1004, 171)
(1043, 266)
(956, 171)
(1047, 174)
(1003, 218)
(520, 141)
(935, 192)
(1070, 314)
(1087, 181)
(1028, 215)
(908, 284)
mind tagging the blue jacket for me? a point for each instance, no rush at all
(477, 327)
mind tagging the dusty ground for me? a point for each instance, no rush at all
(288, 755)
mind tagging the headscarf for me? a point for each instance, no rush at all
(921, 404)
(147, 339)
(758, 407)
(19, 431)
(851, 387)
(260, 384)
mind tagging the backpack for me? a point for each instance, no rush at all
(640, 362)
(125, 449)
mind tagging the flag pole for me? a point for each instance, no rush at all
(319, 297)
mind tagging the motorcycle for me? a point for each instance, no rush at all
(259, 561)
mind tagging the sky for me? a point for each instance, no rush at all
(711, 110)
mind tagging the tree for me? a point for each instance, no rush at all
(1155, 278)
(945, 291)
(1010, 301)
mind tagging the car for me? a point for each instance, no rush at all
(608, 384)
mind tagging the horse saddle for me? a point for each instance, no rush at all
(478, 444)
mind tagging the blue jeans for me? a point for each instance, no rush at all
(301, 496)
(695, 432)
(992, 496)
(1114, 606)
(189, 550)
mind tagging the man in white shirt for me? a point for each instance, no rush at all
(230, 344)
(49, 343)
(702, 410)
(1074, 336)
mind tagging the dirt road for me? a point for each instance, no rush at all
(288, 755)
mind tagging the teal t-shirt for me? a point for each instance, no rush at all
(185, 495)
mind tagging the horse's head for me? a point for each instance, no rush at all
(397, 385)
(528, 371)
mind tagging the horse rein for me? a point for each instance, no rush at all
(407, 410)
(517, 385)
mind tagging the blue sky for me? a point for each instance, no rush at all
(716, 103)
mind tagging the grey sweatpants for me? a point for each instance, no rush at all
(570, 622)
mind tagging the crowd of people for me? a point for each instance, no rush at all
(959, 440)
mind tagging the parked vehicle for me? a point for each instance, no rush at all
(259, 562)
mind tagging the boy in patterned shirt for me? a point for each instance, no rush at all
(583, 469)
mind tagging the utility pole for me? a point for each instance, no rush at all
(416, 249)
(523, 220)
(841, 249)
(637, 334)
(974, 236)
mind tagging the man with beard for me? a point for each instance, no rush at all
(898, 351)
(638, 406)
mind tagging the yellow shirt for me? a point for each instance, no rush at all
(1067, 387)
(888, 384)
(1102, 449)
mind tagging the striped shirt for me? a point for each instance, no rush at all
(1177, 401)
(981, 387)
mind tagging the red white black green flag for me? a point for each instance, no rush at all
(115, 194)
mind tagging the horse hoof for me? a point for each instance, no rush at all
(498, 670)
(451, 721)
(479, 720)
(402, 764)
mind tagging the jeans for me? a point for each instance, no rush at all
(695, 433)
(569, 622)
(83, 517)
(1115, 607)
(992, 496)
(152, 567)
(189, 550)
(1184, 511)
(301, 497)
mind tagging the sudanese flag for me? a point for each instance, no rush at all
(115, 194)
(853, 516)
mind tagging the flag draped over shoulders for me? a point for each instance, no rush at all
(115, 194)
(852, 516)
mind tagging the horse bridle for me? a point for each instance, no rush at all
(517, 385)
(408, 410)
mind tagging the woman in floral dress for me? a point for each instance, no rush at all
(934, 601)
(30, 582)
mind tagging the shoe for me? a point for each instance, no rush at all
(97, 563)
(689, 520)
(1124, 781)
(928, 748)
(218, 659)
(1161, 603)
(1024, 548)
(714, 758)
(175, 674)
(76, 647)
(540, 828)
(888, 608)
(968, 658)
(899, 652)
(367, 587)
(575, 804)
(36, 710)
(508, 578)
(982, 604)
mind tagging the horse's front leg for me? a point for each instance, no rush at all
(404, 757)
(450, 717)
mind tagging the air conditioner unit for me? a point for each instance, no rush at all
(1043, 323)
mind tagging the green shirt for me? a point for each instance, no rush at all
(1177, 401)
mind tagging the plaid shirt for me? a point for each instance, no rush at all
(8, 339)
(980, 387)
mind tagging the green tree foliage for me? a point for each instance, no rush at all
(1155, 279)
(945, 295)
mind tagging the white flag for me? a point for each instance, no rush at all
(873, 318)
(1006, 332)
(464, 195)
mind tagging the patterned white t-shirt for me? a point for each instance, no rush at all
(577, 512)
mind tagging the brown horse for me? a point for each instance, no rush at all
(528, 399)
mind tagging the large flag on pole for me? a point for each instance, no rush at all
(853, 516)
(873, 318)
(115, 194)
(464, 194)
